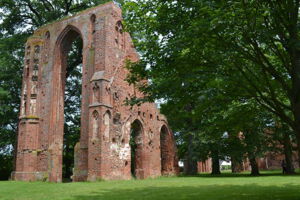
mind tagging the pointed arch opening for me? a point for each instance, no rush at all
(166, 151)
(136, 146)
(107, 124)
(70, 47)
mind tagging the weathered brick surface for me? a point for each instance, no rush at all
(103, 151)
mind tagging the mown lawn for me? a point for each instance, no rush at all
(225, 187)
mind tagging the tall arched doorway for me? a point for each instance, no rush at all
(166, 151)
(71, 46)
(136, 145)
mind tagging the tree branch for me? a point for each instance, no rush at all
(34, 11)
(45, 2)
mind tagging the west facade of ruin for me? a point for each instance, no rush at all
(103, 151)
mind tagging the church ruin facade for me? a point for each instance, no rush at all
(107, 124)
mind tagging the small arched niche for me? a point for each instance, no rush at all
(107, 123)
(93, 23)
(47, 35)
(95, 125)
(46, 47)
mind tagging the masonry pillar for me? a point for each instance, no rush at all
(28, 133)
(99, 128)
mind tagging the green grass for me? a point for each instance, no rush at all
(273, 186)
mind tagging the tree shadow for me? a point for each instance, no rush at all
(239, 175)
(213, 192)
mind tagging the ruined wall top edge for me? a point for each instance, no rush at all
(109, 8)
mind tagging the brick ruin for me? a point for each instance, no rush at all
(270, 161)
(103, 151)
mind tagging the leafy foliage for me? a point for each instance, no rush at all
(220, 66)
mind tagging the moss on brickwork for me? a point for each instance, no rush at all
(32, 117)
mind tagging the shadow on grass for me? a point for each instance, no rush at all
(211, 192)
(239, 175)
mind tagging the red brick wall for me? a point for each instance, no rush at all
(103, 151)
(205, 166)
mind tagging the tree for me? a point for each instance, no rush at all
(253, 44)
(247, 119)
(11, 51)
(283, 141)
(194, 122)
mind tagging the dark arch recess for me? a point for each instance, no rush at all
(64, 45)
(136, 144)
(166, 151)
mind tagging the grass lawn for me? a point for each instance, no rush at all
(271, 186)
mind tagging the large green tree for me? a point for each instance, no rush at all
(11, 51)
(253, 45)
(251, 123)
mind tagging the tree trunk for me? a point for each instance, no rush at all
(254, 166)
(191, 167)
(299, 153)
(15, 150)
(67, 162)
(295, 76)
(215, 162)
(298, 147)
(288, 154)
(296, 125)
(296, 128)
(236, 166)
(191, 163)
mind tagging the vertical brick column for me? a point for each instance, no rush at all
(28, 142)
(99, 127)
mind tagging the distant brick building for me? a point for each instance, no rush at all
(107, 125)
(270, 161)
(273, 161)
(204, 166)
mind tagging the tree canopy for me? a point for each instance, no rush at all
(205, 56)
